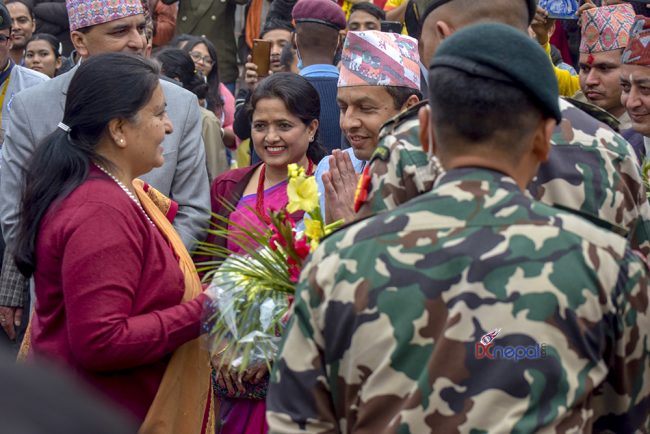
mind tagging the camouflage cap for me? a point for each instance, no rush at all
(425, 7)
(500, 52)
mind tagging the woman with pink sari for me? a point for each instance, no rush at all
(285, 109)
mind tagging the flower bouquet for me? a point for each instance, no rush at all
(253, 290)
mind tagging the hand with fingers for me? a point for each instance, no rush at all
(588, 4)
(228, 377)
(254, 374)
(542, 26)
(250, 73)
(10, 319)
(340, 186)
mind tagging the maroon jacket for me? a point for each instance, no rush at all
(229, 188)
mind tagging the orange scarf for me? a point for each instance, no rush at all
(183, 403)
(253, 21)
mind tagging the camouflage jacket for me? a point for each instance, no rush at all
(592, 172)
(470, 309)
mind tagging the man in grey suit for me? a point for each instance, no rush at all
(118, 27)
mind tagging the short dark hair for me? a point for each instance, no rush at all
(316, 37)
(27, 3)
(50, 39)
(467, 109)
(178, 40)
(276, 24)
(369, 8)
(401, 94)
(300, 98)
(104, 87)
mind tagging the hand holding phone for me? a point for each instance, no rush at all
(391, 27)
(262, 56)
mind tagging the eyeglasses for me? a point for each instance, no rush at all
(4, 38)
(196, 56)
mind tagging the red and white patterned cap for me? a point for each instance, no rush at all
(375, 58)
(86, 13)
(638, 48)
(606, 28)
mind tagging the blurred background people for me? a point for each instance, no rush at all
(365, 16)
(22, 27)
(178, 65)
(219, 99)
(43, 54)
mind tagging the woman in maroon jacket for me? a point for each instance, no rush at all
(118, 300)
(284, 129)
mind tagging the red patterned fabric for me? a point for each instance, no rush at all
(606, 28)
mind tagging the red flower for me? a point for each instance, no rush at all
(301, 247)
(294, 273)
(276, 239)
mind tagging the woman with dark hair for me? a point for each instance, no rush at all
(285, 110)
(219, 100)
(118, 298)
(178, 65)
(43, 54)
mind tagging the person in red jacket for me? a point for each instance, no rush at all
(119, 302)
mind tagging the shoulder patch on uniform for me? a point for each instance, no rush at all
(381, 153)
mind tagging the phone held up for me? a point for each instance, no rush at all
(560, 9)
(391, 27)
(261, 56)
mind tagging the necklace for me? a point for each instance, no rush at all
(126, 190)
(259, 199)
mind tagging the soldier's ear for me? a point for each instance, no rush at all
(443, 30)
(542, 139)
(426, 138)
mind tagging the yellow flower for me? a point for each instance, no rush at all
(314, 229)
(295, 171)
(303, 194)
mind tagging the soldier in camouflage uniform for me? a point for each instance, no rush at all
(472, 308)
(592, 171)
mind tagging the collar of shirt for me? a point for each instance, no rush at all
(483, 175)
(320, 70)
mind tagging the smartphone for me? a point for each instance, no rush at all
(261, 56)
(391, 27)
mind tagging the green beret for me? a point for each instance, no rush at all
(425, 7)
(500, 52)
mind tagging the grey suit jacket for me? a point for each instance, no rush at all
(36, 112)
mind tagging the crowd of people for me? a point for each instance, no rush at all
(486, 171)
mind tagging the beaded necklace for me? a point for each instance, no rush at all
(127, 191)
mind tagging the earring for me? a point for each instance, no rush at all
(121, 141)
(311, 139)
